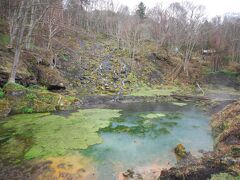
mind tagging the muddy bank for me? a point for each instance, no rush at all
(109, 101)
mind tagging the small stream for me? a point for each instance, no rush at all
(140, 136)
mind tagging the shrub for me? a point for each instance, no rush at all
(27, 110)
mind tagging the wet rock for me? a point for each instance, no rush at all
(129, 173)
(188, 159)
(180, 151)
(138, 177)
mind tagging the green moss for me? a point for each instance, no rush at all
(4, 107)
(11, 87)
(38, 88)
(35, 99)
(148, 91)
(1, 93)
(27, 110)
(31, 96)
(54, 135)
(4, 39)
(224, 176)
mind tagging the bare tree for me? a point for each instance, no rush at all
(38, 10)
(19, 28)
(195, 18)
(159, 26)
(24, 16)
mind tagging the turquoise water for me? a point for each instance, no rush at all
(141, 136)
(123, 150)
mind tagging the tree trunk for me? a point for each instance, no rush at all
(15, 65)
(18, 48)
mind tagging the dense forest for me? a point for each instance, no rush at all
(84, 69)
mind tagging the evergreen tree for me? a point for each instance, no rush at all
(141, 11)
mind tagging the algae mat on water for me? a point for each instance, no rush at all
(54, 135)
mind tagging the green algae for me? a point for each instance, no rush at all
(139, 130)
(173, 116)
(158, 116)
(179, 104)
(54, 135)
(134, 130)
(153, 115)
(169, 124)
(152, 124)
(148, 91)
(14, 149)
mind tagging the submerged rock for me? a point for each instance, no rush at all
(180, 151)
(129, 173)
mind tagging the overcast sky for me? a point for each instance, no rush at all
(213, 7)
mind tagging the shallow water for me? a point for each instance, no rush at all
(142, 137)
(151, 151)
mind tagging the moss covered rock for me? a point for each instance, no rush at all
(51, 78)
(4, 108)
(29, 100)
(180, 151)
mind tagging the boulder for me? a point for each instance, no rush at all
(180, 151)
(4, 108)
(51, 78)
